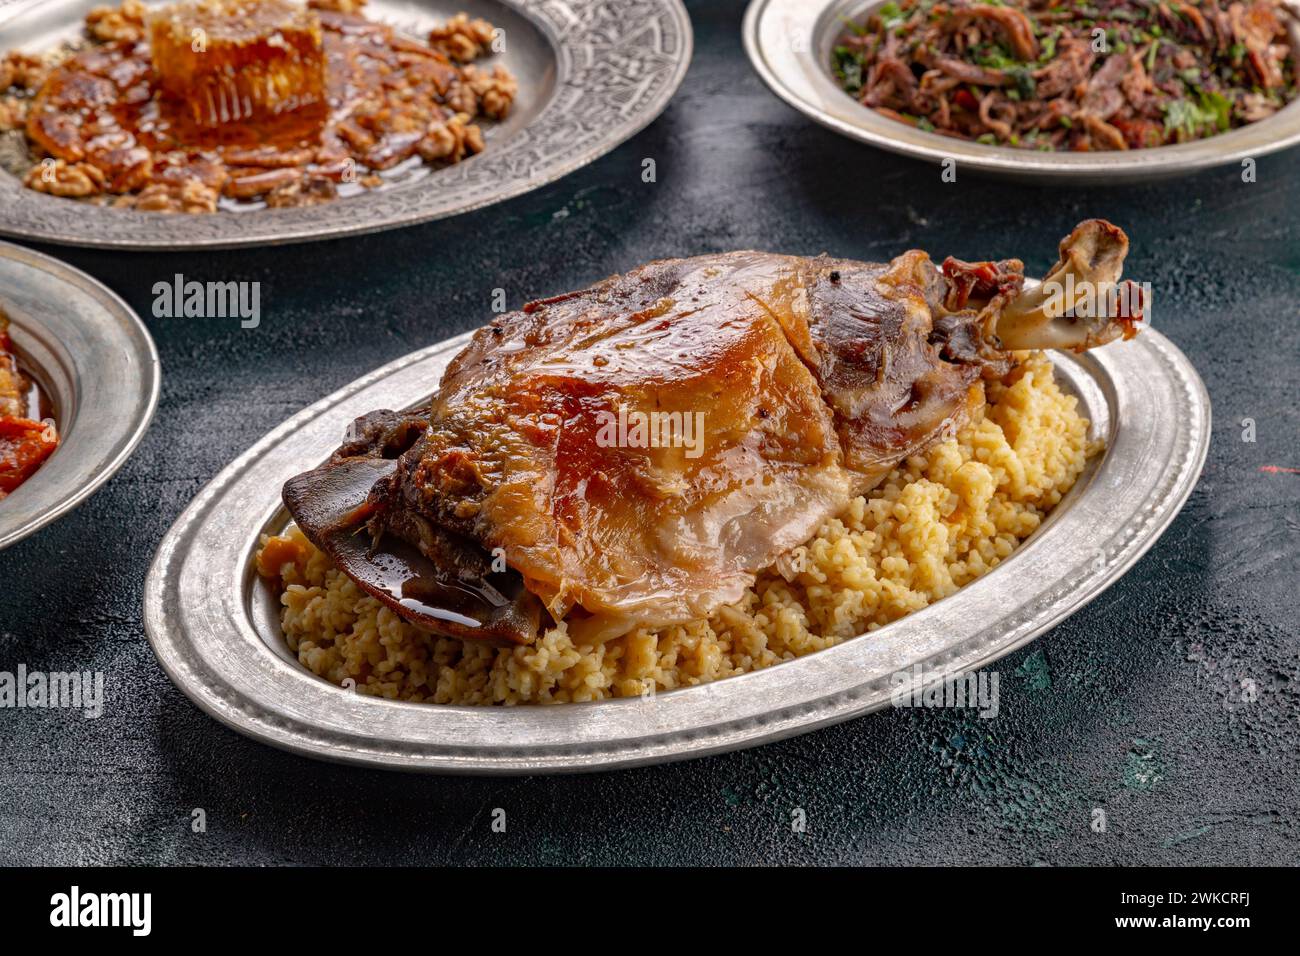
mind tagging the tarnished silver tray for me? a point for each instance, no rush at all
(789, 44)
(592, 73)
(95, 359)
(214, 625)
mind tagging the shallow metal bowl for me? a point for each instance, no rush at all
(592, 73)
(214, 623)
(789, 43)
(95, 360)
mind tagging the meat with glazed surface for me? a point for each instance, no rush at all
(793, 385)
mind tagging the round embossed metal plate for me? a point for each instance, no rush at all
(591, 73)
(789, 43)
(95, 360)
(214, 624)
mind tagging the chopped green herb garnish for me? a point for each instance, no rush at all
(1155, 78)
(848, 65)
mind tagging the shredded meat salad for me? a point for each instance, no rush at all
(1077, 75)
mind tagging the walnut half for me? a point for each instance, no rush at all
(189, 196)
(23, 71)
(451, 140)
(13, 113)
(462, 39)
(72, 180)
(495, 91)
(125, 24)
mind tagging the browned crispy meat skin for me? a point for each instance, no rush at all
(775, 388)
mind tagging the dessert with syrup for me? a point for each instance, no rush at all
(226, 104)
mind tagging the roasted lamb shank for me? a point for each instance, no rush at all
(634, 453)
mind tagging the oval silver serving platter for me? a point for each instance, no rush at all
(592, 73)
(95, 360)
(789, 43)
(214, 623)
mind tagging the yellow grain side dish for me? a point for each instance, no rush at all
(936, 523)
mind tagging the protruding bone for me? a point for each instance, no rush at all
(1079, 305)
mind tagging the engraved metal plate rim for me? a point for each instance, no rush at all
(571, 27)
(798, 75)
(197, 599)
(106, 379)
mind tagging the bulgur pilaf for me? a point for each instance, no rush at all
(936, 523)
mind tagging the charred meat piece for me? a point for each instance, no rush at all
(633, 454)
(428, 574)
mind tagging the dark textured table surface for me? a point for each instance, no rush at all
(1135, 705)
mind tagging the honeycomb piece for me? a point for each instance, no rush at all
(244, 68)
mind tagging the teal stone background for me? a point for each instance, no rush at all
(1134, 706)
